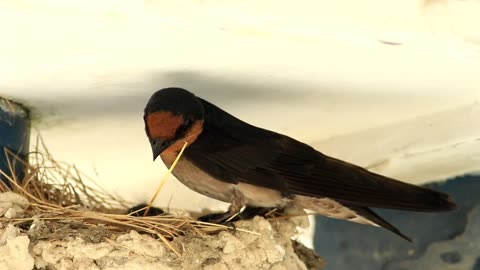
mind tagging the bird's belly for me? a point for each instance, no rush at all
(203, 183)
(261, 196)
(330, 208)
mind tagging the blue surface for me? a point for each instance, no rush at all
(347, 245)
(15, 135)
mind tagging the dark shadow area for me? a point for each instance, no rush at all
(14, 139)
(351, 246)
(239, 90)
(119, 97)
(132, 100)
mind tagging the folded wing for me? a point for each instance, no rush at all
(238, 152)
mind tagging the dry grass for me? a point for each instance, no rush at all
(58, 192)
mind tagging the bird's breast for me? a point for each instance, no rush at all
(204, 183)
(200, 181)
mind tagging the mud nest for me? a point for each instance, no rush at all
(56, 203)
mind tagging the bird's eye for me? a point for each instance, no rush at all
(188, 123)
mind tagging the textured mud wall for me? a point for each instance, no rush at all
(66, 248)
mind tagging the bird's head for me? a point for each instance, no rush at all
(172, 116)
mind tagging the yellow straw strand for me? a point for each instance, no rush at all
(164, 180)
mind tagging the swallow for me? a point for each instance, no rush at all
(232, 161)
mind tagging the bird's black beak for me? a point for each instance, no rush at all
(158, 146)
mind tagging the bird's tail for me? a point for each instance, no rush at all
(367, 213)
(333, 209)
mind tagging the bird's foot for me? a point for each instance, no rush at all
(139, 211)
(217, 218)
(251, 212)
(247, 213)
(220, 218)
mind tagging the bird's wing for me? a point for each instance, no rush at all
(234, 151)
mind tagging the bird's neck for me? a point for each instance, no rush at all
(170, 154)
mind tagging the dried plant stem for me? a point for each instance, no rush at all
(58, 193)
(164, 179)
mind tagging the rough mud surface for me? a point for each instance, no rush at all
(48, 245)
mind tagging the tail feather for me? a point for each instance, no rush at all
(373, 217)
(358, 214)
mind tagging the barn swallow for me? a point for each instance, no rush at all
(235, 162)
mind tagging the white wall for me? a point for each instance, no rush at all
(310, 69)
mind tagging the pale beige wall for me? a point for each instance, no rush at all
(310, 69)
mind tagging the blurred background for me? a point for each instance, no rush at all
(390, 85)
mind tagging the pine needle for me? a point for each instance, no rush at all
(57, 192)
(164, 180)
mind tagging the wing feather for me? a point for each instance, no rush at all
(236, 152)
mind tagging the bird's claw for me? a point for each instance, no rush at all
(224, 218)
(217, 218)
(251, 212)
(139, 211)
